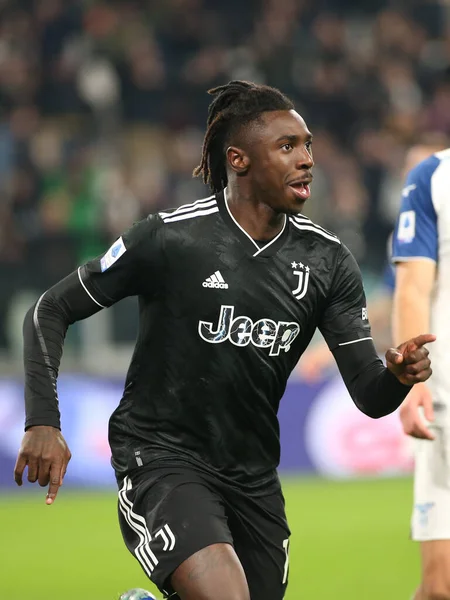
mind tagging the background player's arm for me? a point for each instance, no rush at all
(415, 252)
(375, 389)
(130, 267)
(412, 299)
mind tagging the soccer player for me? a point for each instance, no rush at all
(421, 252)
(231, 290)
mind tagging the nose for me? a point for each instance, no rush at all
(304, 159)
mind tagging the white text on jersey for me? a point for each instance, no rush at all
(241, 331)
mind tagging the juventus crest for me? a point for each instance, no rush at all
(302, 272)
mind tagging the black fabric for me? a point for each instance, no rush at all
(171, 513)
(373, 388)
(44, 329)
(220, 331)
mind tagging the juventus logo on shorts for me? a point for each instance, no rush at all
(167, 536)
(303, 279)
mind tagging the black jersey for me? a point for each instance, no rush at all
(223, 321)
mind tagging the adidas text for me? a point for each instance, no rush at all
(216, 281)
(216, 284)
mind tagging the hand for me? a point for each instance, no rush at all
(47, 455)
(409, 362)
(410, 416)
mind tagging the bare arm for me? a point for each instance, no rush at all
(412, 298)
(411, 314)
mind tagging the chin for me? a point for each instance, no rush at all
(295, 209)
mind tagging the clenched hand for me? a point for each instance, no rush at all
(409, 362)
(45, 452)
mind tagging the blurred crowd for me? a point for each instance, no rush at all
(103, 106)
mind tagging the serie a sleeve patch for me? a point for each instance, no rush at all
(117, 250)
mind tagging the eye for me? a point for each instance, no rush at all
(308, 146)
(287, 147)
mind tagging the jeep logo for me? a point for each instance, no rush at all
(241, 331)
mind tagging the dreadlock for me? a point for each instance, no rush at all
(234, 105)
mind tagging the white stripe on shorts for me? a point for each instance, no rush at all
(137, 523)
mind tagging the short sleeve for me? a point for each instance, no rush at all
(416, 231)
(345, 320)
(130, 267)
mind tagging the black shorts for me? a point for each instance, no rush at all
(167, 514)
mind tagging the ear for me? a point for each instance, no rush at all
(238, 159)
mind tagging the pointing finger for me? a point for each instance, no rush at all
(55, 482)
(424, 338)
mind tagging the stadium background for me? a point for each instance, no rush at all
(102, 112)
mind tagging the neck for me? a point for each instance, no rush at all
(254, 216)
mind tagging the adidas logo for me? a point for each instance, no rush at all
(216, 281)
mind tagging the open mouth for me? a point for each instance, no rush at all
(301, 190)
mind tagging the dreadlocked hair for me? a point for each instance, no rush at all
(234, 105)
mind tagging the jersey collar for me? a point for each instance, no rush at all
(246, 240)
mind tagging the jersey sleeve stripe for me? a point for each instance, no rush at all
(315, 229)
(355, 341)
(211, 200)
(87, 291)
(191, 215)
(43, 345)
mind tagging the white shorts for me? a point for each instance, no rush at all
(431, 512)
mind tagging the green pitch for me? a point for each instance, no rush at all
(349, 541)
